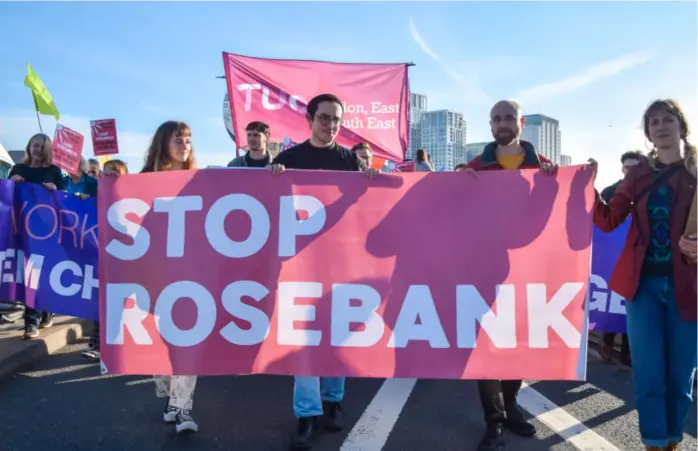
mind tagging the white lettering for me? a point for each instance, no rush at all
(120, 318)
(117, 219)
(288, 313)
(270, 106)
(471, 308)
(543, 315)
(205, 316)
(293, 102)
(32, 270)
(215, 225)
(55, 278)
(6, 259)
(248, 94)
(259, 321)
(418, 305)
(599, 300)
(290, 227)
(90, 283)
(343, 315)
(176, 209)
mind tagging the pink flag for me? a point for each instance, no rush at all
(275, 91)
(202, 272)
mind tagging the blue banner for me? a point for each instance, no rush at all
(48, 250)
(606, 307)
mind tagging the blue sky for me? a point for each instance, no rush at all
(592, 65)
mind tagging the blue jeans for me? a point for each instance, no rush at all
(309, 393)
(664, 349)
(32, 317)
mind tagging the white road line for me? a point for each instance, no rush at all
(373, 428)
(561, 422)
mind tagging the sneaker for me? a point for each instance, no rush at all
(169, 415)
(93, 343)
(30, 332)
(517, 424)
(305, 433)
(46, 320)
(185, 423)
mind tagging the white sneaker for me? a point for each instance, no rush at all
(185, 423)
(170, 413)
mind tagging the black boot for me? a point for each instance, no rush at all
(305, 433)
(333, 416)
(517, 424)
(493, 440)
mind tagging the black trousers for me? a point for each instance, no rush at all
(609, 339)
(497, 398)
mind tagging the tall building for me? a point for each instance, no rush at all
(418, 108)
(472, 150)
(544, 133)
(565, 160)
(443, 137)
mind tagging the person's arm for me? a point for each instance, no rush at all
(608, 216)
(58, 179)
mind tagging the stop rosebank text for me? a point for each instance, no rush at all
(296, 278)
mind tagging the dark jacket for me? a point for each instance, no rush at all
(487, 161)
(609, 191)
(608, 216)
(241, 161)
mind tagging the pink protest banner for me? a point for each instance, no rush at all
(406, 166)
(201, 272)
(375, 96)
(104, 139)
(67, 148)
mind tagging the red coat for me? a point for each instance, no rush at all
(487, 161)
(626, 276)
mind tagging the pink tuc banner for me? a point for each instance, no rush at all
(375, 96)
(201, 272)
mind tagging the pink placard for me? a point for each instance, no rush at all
(317, 274)
(375, 97)
(407, 166)
(67, 148)
(104, 139)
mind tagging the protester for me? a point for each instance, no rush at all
(171, 150)
(627, 160)
(112, 168)
(38, 168)
(80, 183)
(363, 150)
(423, 162)
(314, 397)
(656, 274)
(460, 167)
(258, 155)
(507, 152)
(93, 168)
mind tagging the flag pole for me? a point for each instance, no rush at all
(36, 108)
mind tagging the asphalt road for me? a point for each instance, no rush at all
(64, 405)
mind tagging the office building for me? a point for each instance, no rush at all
(418, 108)
(544, 133)
(472, 150)
(565, 160)
(443, 137)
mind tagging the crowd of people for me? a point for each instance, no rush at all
(656, 272)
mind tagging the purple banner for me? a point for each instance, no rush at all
(606, 307)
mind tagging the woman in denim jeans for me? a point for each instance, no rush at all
(656, 273)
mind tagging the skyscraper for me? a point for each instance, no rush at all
(443, 137)
(418, 108)
(472, 150)
(565, 160)
(544, 133)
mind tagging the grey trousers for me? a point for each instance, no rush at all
(180, 390)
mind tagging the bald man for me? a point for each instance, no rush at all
(507, 151)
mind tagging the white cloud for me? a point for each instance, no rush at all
(15, 131)
(590, 75)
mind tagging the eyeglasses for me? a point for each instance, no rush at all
(326, 120)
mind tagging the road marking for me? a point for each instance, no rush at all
(561, 422)
(373, 428)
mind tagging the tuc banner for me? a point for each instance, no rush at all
(375, 97)
(205, 274)
(48, 249)
(606, 307)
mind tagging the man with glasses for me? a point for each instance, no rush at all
(315, 397)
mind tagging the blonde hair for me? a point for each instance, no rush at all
(47, 148)
(672, 107)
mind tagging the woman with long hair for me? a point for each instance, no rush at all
(37, 168)
(656, 273)
(171, 150)
(423, 164)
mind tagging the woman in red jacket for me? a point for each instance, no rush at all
(656, 273)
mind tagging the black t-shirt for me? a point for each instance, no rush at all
(252, 163)
(333, 158)
(50, 174)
